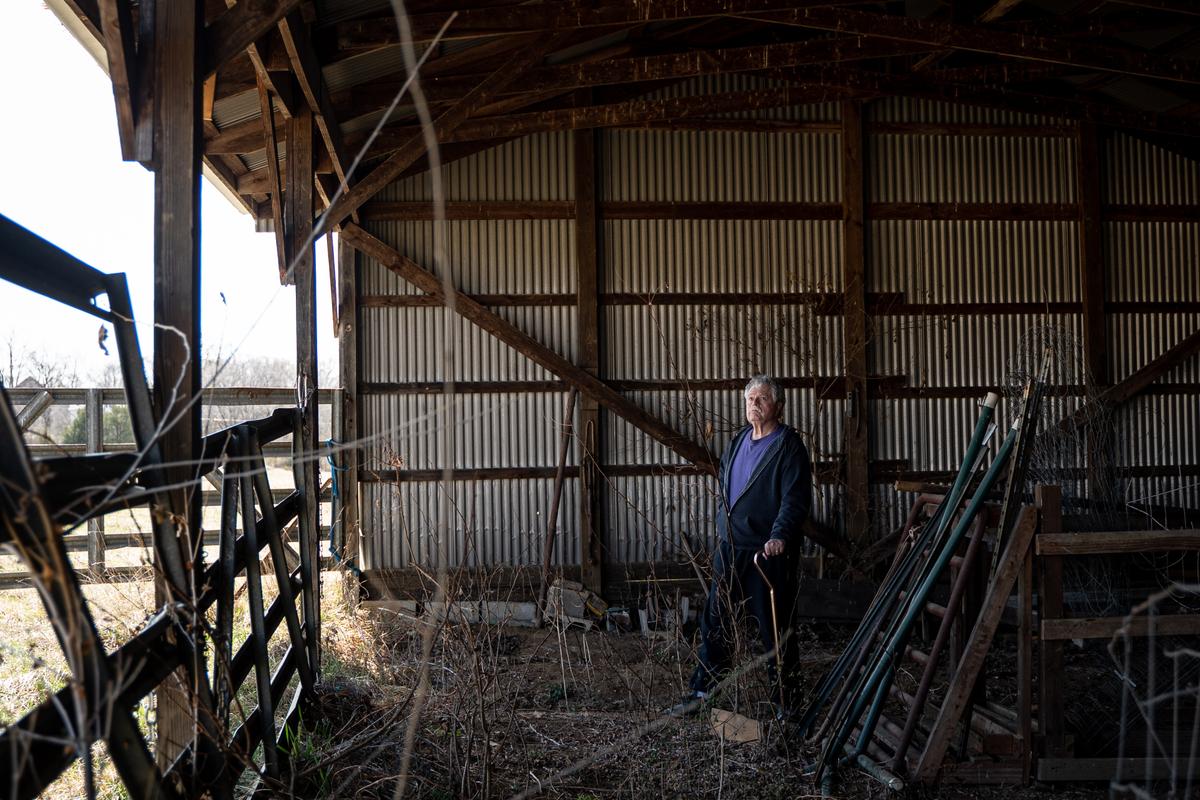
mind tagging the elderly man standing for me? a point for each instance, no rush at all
(766, 489)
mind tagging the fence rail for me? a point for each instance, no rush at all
(35, 402)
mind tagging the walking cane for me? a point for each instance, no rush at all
(774, 630)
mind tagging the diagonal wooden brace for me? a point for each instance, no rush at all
(541, 355)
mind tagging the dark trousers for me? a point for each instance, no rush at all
(737, 588)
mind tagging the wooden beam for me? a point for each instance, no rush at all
(980, 641)
(348, 362)
(1050, 599)
(116, 22)
(447, 121)
(1117, 542)
(307, 69)
(239, 28)
(634, 113)
(1061, 630)
(854, 323)
(1064, 106)
(994, 41)
(1091, 254)
(1136, 383)
(243, 137)
(267, 120)
(690, 64)
(587, 333)
(302, 266)
(177, 357)
(528, 346)
(550, 17)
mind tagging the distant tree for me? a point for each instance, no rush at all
(117, 427)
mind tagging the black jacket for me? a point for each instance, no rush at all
(776, 500)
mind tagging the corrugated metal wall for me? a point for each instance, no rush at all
(1153, 262)
(942, 361)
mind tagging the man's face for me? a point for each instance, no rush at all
(760, 406)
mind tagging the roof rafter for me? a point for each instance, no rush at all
(557, 16)
(307, 69)
(240, 27)
(447, 121)
(116, 24)
(993, 41)
(667, 66)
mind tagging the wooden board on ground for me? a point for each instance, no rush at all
(733, 727)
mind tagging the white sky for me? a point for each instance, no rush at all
(61, 176)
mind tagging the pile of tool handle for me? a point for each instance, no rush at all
(851, 695)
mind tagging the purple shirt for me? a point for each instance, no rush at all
(747, 457)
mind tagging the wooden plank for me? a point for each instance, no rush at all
(272, 148)
(1051, 707)
(1024, 720)
(239, 27)
(854, 323)
(1117, 542)
(1103, 769)
(980, 641)
(303, 272)
(528, 346)
(1107, 627)
(641, 209)
(116, 23)
(307, 69)
(587, 335)
(990, 40)
(348, 361)
(446, 122)
(638, 113)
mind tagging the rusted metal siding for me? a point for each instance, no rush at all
(491, 523)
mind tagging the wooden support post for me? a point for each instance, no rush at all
(176, 370)
(854, 322)
(587, 261)
(94, 415)
(1101, 478)
(348, 434)
(299, 212)
(1050, 602)
(1025, 664)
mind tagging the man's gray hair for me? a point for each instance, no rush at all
(770, 383)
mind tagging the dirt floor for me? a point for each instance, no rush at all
(523, 712)
(508, 711)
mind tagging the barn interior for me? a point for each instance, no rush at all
(562, 236)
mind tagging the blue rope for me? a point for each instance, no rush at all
(334, 549)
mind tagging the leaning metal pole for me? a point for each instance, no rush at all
(848, 664)
(886, 658)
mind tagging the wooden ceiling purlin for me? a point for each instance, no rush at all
(550, 18)
(635, 113)
(1027, 102)
(994, 41)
